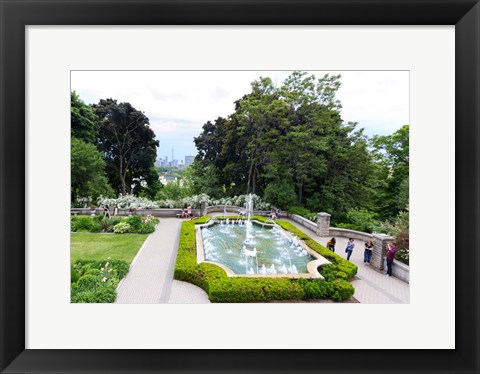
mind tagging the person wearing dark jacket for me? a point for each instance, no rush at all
(391, 250)
(367, 255)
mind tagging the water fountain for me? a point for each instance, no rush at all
(248, 247)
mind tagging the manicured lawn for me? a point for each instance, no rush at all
(88, 246)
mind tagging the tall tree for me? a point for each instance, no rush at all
(127, 142)
(84, 122)
(391, 153)
(87, 171)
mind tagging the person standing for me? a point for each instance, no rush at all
(106, 211)
(391, 250)
(349, 249)
(331, 244)
(367, 255)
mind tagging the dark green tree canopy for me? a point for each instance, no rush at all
(84, 122)
(289, 135)
(127, 141)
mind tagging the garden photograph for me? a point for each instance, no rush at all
(198, 187)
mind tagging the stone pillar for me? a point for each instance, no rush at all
(323, 224)
(203, 208)
(380, 242)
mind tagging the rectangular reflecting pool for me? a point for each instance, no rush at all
(253, 248)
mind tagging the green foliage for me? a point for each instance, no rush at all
(146, 228)
(88, 176)
(135, 221)
(361, 220)
(84, 122)
(129, 146)
(342, 290)
(221, 288)
(280, 194)
(81, 223)
(303, 212)
(289, 144)
(399, 229)
(122, 228)
(391, 154)
(96, 281)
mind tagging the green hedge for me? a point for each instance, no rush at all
(224, 289)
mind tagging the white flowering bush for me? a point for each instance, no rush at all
(241, 201)
(82, 202)
(128, 202)
(134, 202)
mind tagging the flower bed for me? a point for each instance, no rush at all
(96, 281)
(117, 225)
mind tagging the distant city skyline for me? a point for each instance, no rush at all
(179, 103)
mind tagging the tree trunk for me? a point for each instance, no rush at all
(300, 193)
(249, 176)
(123, 185)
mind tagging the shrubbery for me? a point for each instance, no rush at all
(135, 202)
(361, 220)
(117, 225)
(96, 281)
(303, 212)
(221, 288)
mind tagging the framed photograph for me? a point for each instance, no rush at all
(42, 43)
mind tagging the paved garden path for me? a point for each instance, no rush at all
(150, 279)
(371, 285)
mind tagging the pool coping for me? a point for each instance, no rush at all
(312, 266)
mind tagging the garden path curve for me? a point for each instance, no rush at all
(150, 279)
(371, 285)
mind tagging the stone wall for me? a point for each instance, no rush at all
(346, 233)
(380, 241)
(303, 221)
(142, 212)
(399, 270)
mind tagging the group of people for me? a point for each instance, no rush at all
(187, 212)
(368, 250)
(274, 213)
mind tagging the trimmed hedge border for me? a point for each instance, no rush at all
(223, 289)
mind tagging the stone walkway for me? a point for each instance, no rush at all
(150, 279)
(371, 285)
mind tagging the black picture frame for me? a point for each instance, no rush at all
(17, 14)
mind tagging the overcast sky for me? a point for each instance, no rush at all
(178, 103)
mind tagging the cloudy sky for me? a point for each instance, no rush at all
(178, 103)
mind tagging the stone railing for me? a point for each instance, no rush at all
(347, 233)
(303, 221)
(400, 270)
(124, 212)
(322, 228)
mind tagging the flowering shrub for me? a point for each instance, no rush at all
(121, 228)
(133, 202)
(241, 201)
(128, 202)
(82, 202)
(96, 281)
(149, 218)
